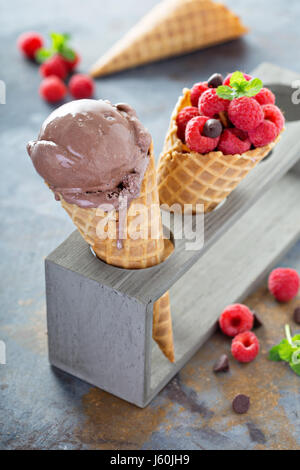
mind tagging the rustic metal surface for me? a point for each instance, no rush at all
(43, 408)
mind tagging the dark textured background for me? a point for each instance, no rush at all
(43, 408)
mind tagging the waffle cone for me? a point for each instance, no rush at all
(186, 177)
(172, 27)
(134, 253)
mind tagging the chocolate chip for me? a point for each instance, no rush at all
(296, 315)
(212, 128)
(257, 321)
(241, 404)
(215, 80)
(222, 364)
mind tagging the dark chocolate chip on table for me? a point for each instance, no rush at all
(215, 80)
(222, 364)
(257, 323)
(212, 128)
(296, 315)
(241, 404)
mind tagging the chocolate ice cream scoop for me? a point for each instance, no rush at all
(92, 152)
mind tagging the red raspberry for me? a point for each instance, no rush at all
(265, 96)
(29, 43)
(72, 64)
(264, 134)
(52, 89)
(273, 114)
(236, 319)
(284, 284)
(81, 86)
(245, 113)
(197, 91)
(234, 141)
(245, 347)
(194, 138)
(183, 117)
(54, 66)
(227, 79)
(210, 104)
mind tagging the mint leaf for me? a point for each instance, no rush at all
(295, 368)
(237, 79)
(58, 40)
(274, 354)
(43, 54)
(67, 53)
(226, 92)
(285, 350)
(296, 339)
(253, 87)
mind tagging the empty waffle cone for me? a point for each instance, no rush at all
(172, 27)
(143, 215)
(186, 177)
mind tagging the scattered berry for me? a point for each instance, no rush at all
(215, 80)
(212, 128)
(52, 89)
(29, 43)
(241, 404)
(245, 113)
(284, 284)
(264, 134)
(296, 315)
(257, 320)
(194, 138)
(210, 104)
(227, 79)
(81, 86)
(197, 91)
(72, 64)
(222, 364)
(265, 96)
(245, 347)
(183, 117)
(234, 141)
(54, 66)
(236, 319)
(272, 113)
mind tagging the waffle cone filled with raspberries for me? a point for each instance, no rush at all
(219, 131)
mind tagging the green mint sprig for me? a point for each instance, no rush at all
(288, 350)
(239, 87)
(59, 45)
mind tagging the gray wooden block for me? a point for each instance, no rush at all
(100, 317)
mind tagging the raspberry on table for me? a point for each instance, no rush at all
(284, 284)
(183, 117)
(264, 134)
(245, 113)
(210, 104)
(272, 113)
(227, 79)
(265, 96)
(54, 66)
(235, 319)
(245, 347)
(52, 89)
(29, 43)
(234, 141)
(196, 92)
(81, 86)
(194, 138)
